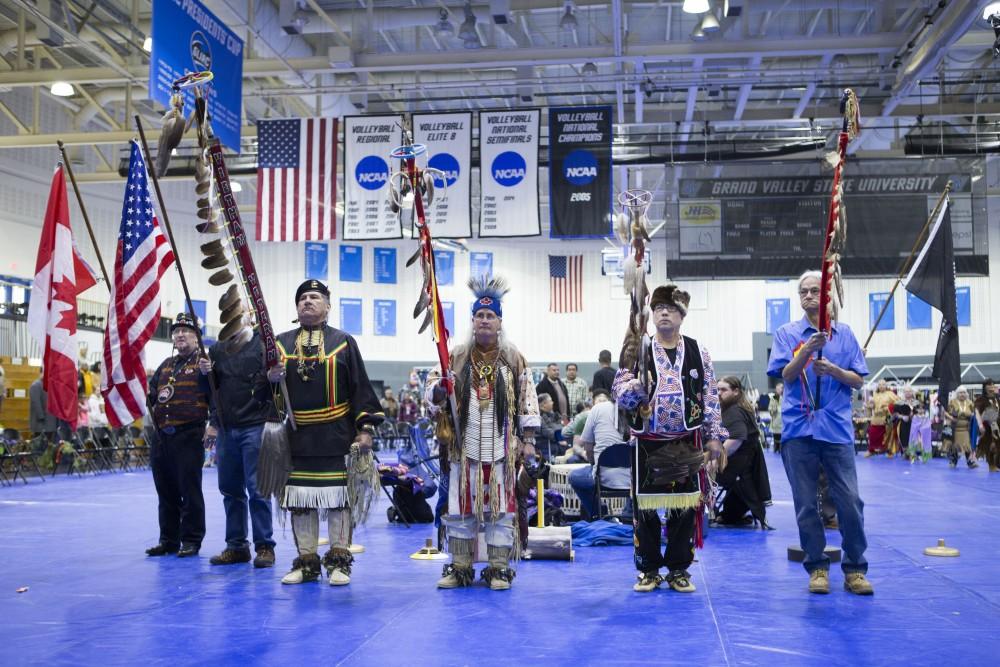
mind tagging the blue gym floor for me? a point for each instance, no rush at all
(94, 599)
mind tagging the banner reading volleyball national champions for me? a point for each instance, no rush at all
(368, 140)
(508, 173)
(448, 138)
(580, 172)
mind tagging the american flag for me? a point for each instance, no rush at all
(565, 283)
(296, 179)
(142, 257)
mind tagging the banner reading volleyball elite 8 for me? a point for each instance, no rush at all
(508, 173)
(448, 137)
(580, 172)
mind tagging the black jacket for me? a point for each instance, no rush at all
(245, 396)
(546, 387)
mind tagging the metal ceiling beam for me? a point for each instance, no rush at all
(496, 58)
(87, 138)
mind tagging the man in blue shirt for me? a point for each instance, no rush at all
(821, 433)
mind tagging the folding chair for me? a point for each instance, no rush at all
(615, 456)
(20, 451)
(107, 449)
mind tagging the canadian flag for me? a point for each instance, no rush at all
(60, 275)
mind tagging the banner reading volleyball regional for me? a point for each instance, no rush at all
(580, 172)
(508, 173)
(187, 37)
(368, 140)
(448, 138)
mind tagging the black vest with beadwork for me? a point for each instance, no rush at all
(692, 384)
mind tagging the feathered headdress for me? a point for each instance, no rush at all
(489, 292)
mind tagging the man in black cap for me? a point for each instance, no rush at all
(178, 405)
(673, 401)
(245, 403)
(334, 406)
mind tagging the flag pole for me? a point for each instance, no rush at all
(83, 209)
(906, 264)
(177, 260)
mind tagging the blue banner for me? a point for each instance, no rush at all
(317, 262)
(385, 265)
(480, 264)
(448, 307)
(444, 267)
(875, 301)
(778, 313)
(187, 37)
(350, 316)
(918, 312)
(963, 300)
(385, 317)
(350, 263)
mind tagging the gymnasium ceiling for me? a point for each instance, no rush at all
(772, 68)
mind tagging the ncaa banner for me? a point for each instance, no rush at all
(448, 138)
(187, 37)
(368, 140)
(580, 172)
(508, 173)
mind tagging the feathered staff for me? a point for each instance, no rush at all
(836, 225)
(632, 230)
(416, 183)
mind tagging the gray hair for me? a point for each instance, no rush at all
(809, 274)
(543, 397)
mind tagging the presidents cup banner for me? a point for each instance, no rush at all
(580, 172)
(508, 173)
(448, 138)
(368, 140)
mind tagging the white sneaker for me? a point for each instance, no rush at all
(339, 578)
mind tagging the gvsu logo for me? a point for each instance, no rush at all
(201, 51)
(372, 172)
(508, 169)
(580, 167)
(446, 163)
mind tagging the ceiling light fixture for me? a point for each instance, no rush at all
(235, 186)
(991, 14)
(147, 44)
(695, 6)
(589, 69)
(443, 27)
(709, 23)
(568, 21)
(62, 89)
(698, 34)
(467, 31)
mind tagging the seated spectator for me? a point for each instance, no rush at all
(744, 481)
(571, 432)
(409, 411)
(390, 406)
(549, 436)
(600, 431)
(95, 409)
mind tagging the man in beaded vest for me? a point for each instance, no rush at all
(334, 406)
(673, 404)
(178, 403)
(498, 415)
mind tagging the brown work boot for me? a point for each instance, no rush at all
(231, 557)
(856, 583)
(265, 557)
(819, 581)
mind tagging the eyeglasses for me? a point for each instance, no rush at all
(670, 308)
(814, 291)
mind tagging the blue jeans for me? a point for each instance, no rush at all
(238, 449)
(802, 458)
(582, 481)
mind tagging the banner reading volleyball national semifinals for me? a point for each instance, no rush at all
(580, 172)
(368, 140)
(508, 173)
(448, 138)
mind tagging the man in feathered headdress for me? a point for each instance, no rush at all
(334, 407)
(498, 415)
